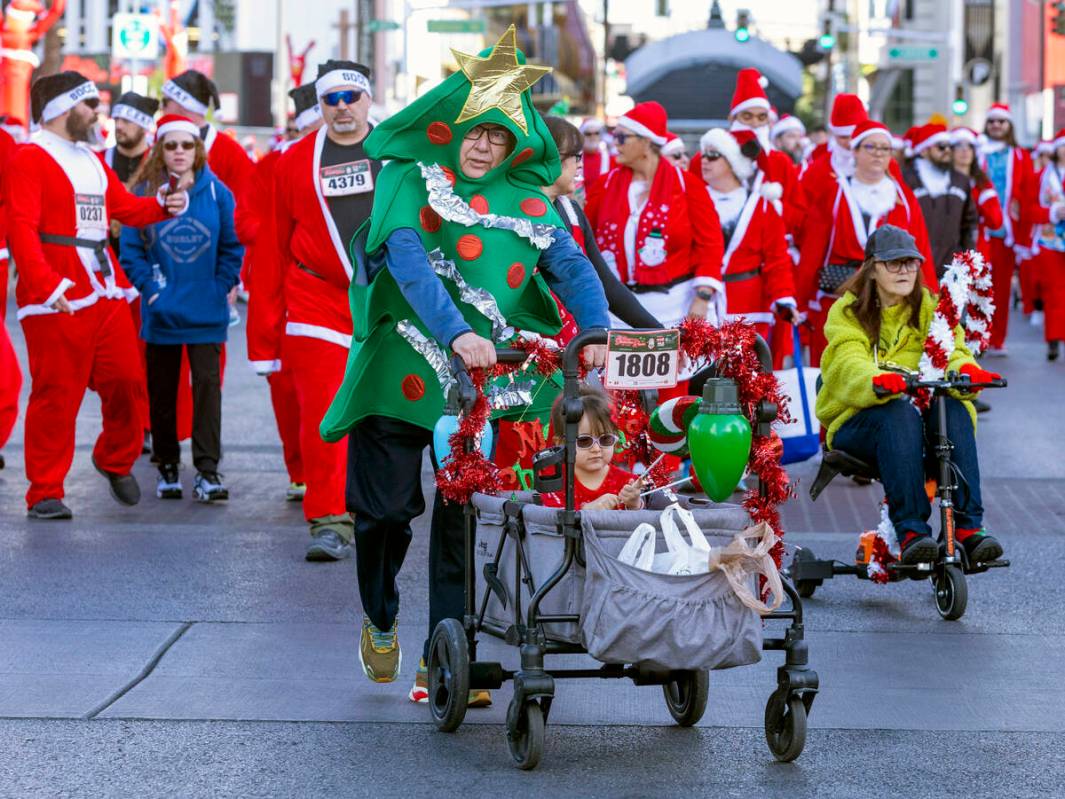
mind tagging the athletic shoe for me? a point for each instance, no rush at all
(996, 352)
(419, 692)
(3, 463)
(327, 545)
(918, 549)
(295, 492)
(1036, 319)
(379, 652)
(479, 698)
(50, 509)
(1053, 350)
(168, 485)
(208, 487)
(124, 488)
(980, 547)
(146, 447)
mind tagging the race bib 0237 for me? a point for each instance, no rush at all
(90, 211)
(340, 180)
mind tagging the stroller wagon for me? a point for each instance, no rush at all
(553, 585)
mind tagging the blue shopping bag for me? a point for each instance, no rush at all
(801, 436)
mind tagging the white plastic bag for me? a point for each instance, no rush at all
(683, 558)
(639, 550)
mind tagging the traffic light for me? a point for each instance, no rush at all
(960, 106)
(827, 40)
(1057, 22)
(743, 26)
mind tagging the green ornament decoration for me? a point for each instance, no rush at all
(483, 237)
(719, 439)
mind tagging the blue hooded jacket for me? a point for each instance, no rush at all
(189, 264)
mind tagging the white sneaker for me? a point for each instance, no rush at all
(1036, 319)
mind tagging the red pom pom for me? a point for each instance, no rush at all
(439, 133)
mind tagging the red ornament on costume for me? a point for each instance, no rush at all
(439, 133)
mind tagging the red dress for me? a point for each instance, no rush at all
(616, 479)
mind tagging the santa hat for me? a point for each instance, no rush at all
(774, 115)
(848, 112)
(788, 123)
(750, 91)
(54, 95)
(648, 120)
(173, 123)
(592, 125)
(928, 136)
(334, 74)
(307, 109)
(866, 129)
(1044, 148)
(1058, 141)
(1000, 111)
(674, 144)
(136, 108)
(964, 135)
(192, 90)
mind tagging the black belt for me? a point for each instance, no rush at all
(660, 288)
(99, 248)
(309, 271)
(736, 278)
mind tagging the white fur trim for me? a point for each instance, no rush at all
(673, 146)
(856, 140)
(174, 92)
(640, 129)
(318, 332)
(307, 118)
(1000, 113)
(786, 124)
(963, 136)
(772, 191)
(842, 130)
(931, 141)
(751, 102)
(265, 367)
(591, 126)
(58, 106)
(342, 77)
(178, 126)
(723, 142)
(134, 115)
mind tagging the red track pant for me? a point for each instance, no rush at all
(317, 369)
(96, 345)
(1051, 268)
(287, 414)
(1003, 262)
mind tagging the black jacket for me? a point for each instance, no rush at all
(951, 218)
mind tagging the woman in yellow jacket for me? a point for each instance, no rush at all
(881, 324)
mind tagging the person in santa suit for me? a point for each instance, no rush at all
(656, 225)
(192, 94)
(266, 296)
(10, 373)
(134, 117)
(963, 143)
(676, 151)
(834, 159)
(838, 227)
(71, 293)
(756, 269)
(597, 160)
(1010, 169)
(788, 136)
(1047, 212)
(323, 192)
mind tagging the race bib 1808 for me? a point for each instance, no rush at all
(639, 359)
(90, 211)
(341, 180)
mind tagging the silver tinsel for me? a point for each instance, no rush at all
(479, 298)
(450, 206)
(429, 350)
(517, 393)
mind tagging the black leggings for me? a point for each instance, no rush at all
(164, 372)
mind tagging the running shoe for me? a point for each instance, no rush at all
(918, 549)
(379, 652)
(168, 484)
(208, 487)
(981, 547)
(419, 692)
(295, 492)
(50, 509)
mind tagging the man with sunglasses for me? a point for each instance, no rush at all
(944, 194)
(323, 191)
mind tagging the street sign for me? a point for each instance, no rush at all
(135, 37)
(978, 72)
(913, 52)
(383, 25)
(457, 26)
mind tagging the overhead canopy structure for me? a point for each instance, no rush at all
(693, 75)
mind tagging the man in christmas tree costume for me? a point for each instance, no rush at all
(462, 247)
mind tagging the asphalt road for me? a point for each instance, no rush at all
(180, 650)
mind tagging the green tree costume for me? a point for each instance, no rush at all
(484, 237)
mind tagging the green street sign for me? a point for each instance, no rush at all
(913, 53)
(457, 26)
(377, 25)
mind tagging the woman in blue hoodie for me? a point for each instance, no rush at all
(184, 268)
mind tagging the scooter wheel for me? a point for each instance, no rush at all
(686, 697)
(449, 675)
(952, 593)
(785, 726)
(525, 734)
(805, 588)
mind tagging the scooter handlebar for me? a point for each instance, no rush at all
(957, 383)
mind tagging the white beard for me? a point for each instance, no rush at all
(762, 134)
(842, 158)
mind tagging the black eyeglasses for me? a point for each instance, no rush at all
(346, 96)
(902, 265)
(621, 138)
(711, 155)
(170, 146)
(876, 149)
(497, 136)
(605, 441)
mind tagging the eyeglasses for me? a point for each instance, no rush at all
(901, 265)
(676, 157)
(605, 441)
(621, 138)
(711, 155)
(497, 136)
(346, 96)
(998, 122)
(170, 146)
(565, 156)
(876, 149)
(939, 146)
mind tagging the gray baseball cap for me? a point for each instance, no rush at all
(890, 243)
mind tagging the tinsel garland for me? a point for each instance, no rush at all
(885, 548)
(981, 305)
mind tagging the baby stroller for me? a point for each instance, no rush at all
(543, 569)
